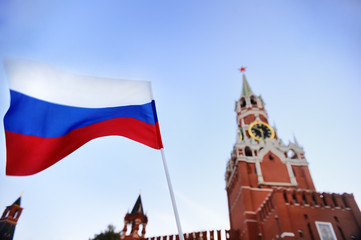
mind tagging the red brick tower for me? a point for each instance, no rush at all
(9, 219)
(135, 218)
(270, 191)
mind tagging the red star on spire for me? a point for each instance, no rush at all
(242, 69)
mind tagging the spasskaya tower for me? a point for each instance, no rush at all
(270, 190)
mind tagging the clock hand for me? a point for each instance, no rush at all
(262, 133)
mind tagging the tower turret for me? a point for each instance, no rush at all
(135, 218)
(9, 220)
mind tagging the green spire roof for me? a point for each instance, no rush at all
(246, 89)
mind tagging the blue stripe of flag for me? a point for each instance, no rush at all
(31, 116)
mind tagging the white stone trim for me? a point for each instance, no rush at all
(248, 212)
(287, 234)
(259, 172)
(297, 162)
(290, 173)
(230, 177)
(253, 111)
(236, 200)
(257, 189)
(249, 220)
(247, 159)
(278, 184)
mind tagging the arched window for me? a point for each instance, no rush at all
(16, 213)
(253, 101)
(242, 102)
(292, 154)
(248, 152)
(7, 213)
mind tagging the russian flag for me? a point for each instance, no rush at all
(52, 113)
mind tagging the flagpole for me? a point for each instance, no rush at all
(170, 188)
(172, 195)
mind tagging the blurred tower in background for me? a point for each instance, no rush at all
(9, 219)
(135, 218)
(270, 190)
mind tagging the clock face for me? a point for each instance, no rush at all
(261, 131)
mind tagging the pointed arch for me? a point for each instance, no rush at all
(248, 152)
(292, 154)
(242, 102)
(253, 101)
(16, 213)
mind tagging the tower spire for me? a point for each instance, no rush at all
(18, 201)
(246, 89)
(9, 220)
(135, 218)
(295, 140)
(138, 207)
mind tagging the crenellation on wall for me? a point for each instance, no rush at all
(202, 235)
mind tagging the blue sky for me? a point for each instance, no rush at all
(303, 57)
